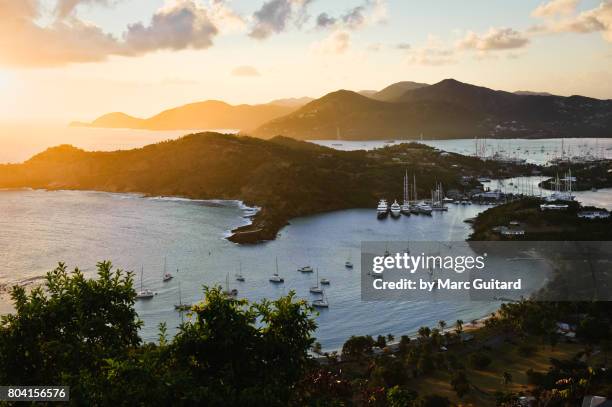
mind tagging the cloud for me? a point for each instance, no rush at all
(24, 43)
(324, 20)
(370, 12)
(598, 19)
(338, 42)
(275, 15)
(433, 53)
(179, 25)
(182, 25)
(64, 8)
(555, 7)
(494, 39)
(245, 70)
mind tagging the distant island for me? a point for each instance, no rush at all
(210, 114)
(446, 110)
(285, 177)
(404, 110)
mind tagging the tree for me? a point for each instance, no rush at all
(399, 397)
(62, 334)
(460, 384)
(424, 332)
(442, 325)
(84, 333)
(381, 341)
(459, 326)
(390, 338)
(357, 346)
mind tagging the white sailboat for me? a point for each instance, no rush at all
(348, 263)
(317, 288)
(405, 209)
(239, 276)
(321, 302)
(166, 276)
(276, 278)
(181, 306)
(144, 293)
(229, 293)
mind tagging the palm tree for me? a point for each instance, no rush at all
(424, 332)
(390, 338)
(442, 325)
(459, 326)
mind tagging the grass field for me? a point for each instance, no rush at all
(506, 358)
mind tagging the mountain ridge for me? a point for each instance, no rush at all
(447, 109)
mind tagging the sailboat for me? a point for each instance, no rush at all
(239, 276)
(180, 306)
(276, 279)
(348, 264)
(144, 293)
(167, 276)
(317, 288)
(229, 293)
(405, 209)
(321, 302)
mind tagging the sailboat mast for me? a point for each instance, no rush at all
(141, 276)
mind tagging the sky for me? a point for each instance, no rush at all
(64, 60)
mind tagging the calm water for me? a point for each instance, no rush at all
(39, 228)
(534, 151)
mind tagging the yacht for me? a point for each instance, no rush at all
(305, 269)
(395, 210)
(321, 302)
(167, 276)
(239, 276)
(181, 306)
(316, 289)
(277, 279)
(348, 264)
(423, 208)
(229, 293)
(383, 209)
(144, 293)
(325, 281)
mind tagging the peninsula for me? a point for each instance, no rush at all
(284, 177)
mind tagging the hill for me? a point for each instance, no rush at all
(448, 109)
(286, 178)
(393, 92)
(210, 114)
(357, 117)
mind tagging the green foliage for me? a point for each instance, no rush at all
(400, 397)
(84, 333)
(357, 346)
(66, 332)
